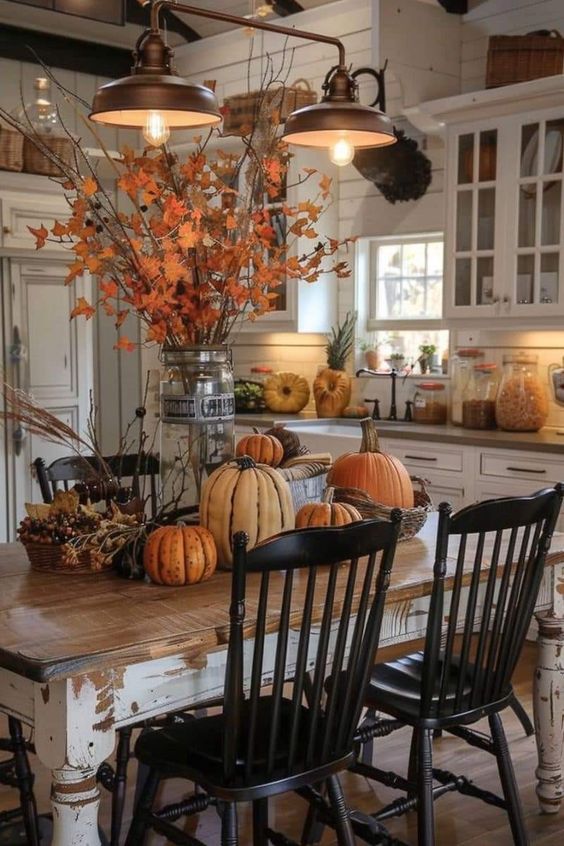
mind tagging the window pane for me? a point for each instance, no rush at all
(465, 159)
(408, 281)
(414, 256)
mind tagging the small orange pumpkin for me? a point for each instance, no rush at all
(263, 449)
(327, 512)
(180, 555)
(381, 475)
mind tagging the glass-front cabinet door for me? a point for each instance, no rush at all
(535, 262)
(472, 255)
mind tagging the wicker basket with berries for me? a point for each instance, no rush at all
(66, 537)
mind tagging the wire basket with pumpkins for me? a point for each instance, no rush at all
(375, 483)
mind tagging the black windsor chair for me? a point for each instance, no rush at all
(142, 469)
(465, 670)
(299, 732)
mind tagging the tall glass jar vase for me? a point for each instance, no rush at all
(197, 408)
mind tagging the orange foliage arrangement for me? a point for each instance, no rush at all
(198, 247)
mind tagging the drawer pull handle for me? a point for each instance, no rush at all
(422, 457)
(526, 470)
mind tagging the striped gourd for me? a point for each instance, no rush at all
(244, 496)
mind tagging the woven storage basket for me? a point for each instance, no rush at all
(49, 558)
(241, 110)
(306, 481)
(519, 58)
(11, 150)
(413, 519)
(34, 161)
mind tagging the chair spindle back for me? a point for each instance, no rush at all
(498, 548)
(316, 628)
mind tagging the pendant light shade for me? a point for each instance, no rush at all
(326, 123)
(125, 102)
(154, 87)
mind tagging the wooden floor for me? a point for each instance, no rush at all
(459, 819)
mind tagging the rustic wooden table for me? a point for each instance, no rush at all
(83, 655)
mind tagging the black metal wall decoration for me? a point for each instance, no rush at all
(401, 171)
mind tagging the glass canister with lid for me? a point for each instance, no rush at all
(462, 363)
(429, 403)
(478, 402)
(522, 402)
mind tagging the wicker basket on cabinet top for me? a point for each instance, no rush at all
(519, 58)
(240, 111)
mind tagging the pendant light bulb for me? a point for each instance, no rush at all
(342, 152)
(157, 130)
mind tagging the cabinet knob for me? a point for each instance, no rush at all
(6, 230)
(495, 299)
(506, 299)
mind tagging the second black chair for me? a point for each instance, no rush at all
(316, 626)
(498, 550)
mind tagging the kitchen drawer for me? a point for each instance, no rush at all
(418, 455)
(537, 468)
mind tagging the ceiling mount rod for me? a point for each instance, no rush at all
(243, 22)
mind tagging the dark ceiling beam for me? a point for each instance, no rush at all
(136, 15)
(286, 7)
(57, 51)
(455, 7)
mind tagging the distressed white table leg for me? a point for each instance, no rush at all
(548, 699)
(74, 733)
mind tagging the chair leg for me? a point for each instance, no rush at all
(229, 828)
(345, 835)
(425, 811)
(24, 777)
(508, 783)
(522, 716)
(412, 767)
(313, 829)
(260, 822)
(120, 783)
(139, 824)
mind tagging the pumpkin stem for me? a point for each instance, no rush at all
(256, 430)
(245, 462)
(328, 495)
(370, 440)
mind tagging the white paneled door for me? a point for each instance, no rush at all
(50, 356)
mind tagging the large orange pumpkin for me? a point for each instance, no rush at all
(327, 512)
(244, 496)
(180, 555)
(381, 475)
(332, 392)
(263, 449)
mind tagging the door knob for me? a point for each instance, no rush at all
(6, 230)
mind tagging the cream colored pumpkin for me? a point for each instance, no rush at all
(244, 496)
(332, 392)
(286, 392)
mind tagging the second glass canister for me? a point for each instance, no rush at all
(478, 401)
(522, 402)
(429, 403)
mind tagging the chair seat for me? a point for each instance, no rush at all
(194, 750)
(395, 687)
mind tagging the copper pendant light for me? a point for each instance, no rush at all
(153, 97)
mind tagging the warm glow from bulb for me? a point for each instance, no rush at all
(157, 130)
(342, 152)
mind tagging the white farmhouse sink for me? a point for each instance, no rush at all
(334, 436)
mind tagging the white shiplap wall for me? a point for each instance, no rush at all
(501, 17)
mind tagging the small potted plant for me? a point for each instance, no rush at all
(371, 353)
(396, 361)
(427, 352)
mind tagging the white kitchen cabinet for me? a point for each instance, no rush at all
(504, 238)
(28, 201)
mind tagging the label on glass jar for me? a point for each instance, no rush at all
(420, 402)
(184, 408)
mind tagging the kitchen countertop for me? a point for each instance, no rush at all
(547, 440)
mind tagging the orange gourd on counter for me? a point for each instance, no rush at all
(263, 449)
(332, 392)
(327, 512)
(380, 474)
(179, 555)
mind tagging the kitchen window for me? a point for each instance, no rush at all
(406, 281)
